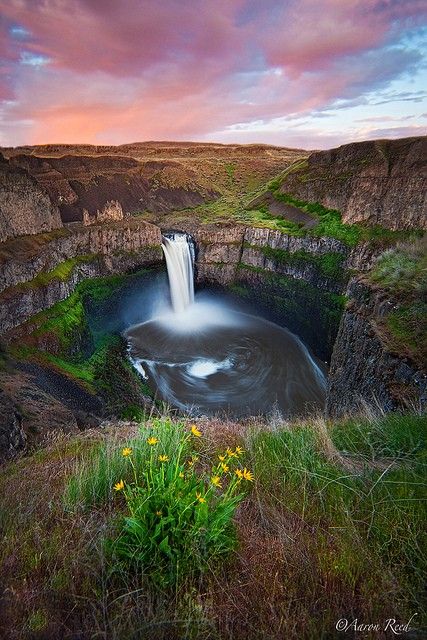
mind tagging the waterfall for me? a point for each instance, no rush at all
(179, 263)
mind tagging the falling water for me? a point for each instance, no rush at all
(204, 356)
(179, 263)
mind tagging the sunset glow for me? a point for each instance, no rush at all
(308, 73)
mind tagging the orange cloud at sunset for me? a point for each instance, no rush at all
(239, 70)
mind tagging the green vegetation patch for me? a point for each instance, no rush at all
(330, 224)
(395, 435)
(402, 272)
(403, 269)
(407, 327)
(330, 265)
(64, 339)
(321, 522)
(374, 517)
(62, 272)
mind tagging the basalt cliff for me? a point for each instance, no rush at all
(295, 234)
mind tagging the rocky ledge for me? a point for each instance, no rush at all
(365, 371)
(380, 182)
(38, 271)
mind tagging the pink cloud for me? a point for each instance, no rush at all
(137, 69)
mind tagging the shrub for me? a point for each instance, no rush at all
(178, 509)
(403, 269)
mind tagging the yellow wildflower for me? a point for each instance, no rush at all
(248, 475)
(163, 458)
(238, 451)
(216, 481)
(230, 453)
(159, 513)
(224, 467)
(152, 440)
(199, 497)
(222, 458)
(239, 473)
(181, 475)
(195, 431)
(127, 451)
(119, 485)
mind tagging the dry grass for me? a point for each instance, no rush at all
(302, 562)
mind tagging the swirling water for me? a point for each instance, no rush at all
(206, 358)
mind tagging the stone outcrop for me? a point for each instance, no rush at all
(12, 435)
(364, 371)
(379, 182)
(89, 252)
(23, 259)
(25, 208)
(111, 212)
(95, 188)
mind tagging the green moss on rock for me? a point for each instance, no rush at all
(308, 311)
(330, 265)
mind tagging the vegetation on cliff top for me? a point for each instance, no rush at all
(402, 272)
(239, 207)
(329, 526)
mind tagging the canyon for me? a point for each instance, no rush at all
(294, 234)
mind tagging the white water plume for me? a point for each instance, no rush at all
(205, 357)
(179, 263)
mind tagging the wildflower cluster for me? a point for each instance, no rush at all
(178, 516)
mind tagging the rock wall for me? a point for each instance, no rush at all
(380, 182)
(25, 208)
(23, 259)
(98, 250)
(84, 187)
(111, 212)
(363, 370)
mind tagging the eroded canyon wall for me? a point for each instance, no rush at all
(25, 207)
(365, 369)
(379, 182)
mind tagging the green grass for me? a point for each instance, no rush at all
(403, 269)
(330, 265)
(407, 329)
(394, 435)
(402, 272)
(62, 272)
(377, 515)
(333, 528)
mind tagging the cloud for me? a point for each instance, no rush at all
(108, 71)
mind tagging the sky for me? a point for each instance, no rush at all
(299, 73)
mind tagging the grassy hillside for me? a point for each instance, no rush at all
(217, 530)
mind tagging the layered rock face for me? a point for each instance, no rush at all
(364, 371)
(111, 212)
(381, 182)
(86, 252)
(25, 208)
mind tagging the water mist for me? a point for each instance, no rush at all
(204, 357)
